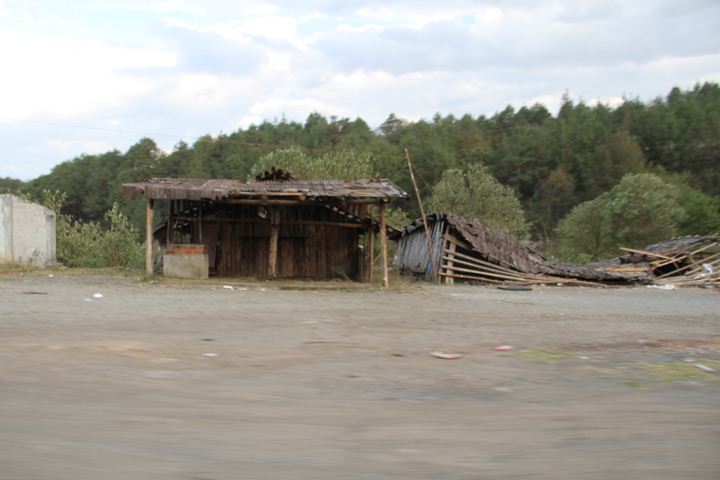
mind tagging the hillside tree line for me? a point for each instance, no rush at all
(582, 181)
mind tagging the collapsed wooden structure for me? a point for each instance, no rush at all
(273, 226)
(468, 251)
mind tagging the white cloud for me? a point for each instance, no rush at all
(192, 67)
(62, 78)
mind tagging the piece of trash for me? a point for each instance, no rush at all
(210, 355)
(98, 295)
(51, 275)
(263, 289)
(704, 367)
(503, 348)
(446, 356)
(243, 289)
(229, 287)
(584, 358)
(663, 287)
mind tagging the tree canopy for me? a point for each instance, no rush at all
(475, 193)
(552, 162)
(641, 209)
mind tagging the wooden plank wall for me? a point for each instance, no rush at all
(305, 250)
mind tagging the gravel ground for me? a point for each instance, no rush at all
(199, 382)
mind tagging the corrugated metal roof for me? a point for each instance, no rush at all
(218, 189)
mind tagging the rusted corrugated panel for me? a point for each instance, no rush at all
(218, 189)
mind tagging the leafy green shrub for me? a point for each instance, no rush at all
(89, 245)
(476, 194)
(336, 164)
(640, 210)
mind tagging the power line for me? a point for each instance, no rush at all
(104, 129)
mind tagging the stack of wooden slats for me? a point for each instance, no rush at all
(687, 261)
(699, 267)
(456, 265)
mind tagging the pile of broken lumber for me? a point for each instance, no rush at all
(687, 261)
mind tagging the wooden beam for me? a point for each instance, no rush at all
(169, 226)
(274, 235)
(249, 201)
(383, 245)
(371, 254)
(286, 222)
(362, 201)
(149, 237)
(450, 262)
(647, 254)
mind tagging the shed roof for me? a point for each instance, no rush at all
(218, 189)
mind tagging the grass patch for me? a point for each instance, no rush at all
(543, 355)
(678, 371)
(631, 383)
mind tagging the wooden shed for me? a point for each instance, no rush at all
(273, 226)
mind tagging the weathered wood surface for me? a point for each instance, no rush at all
(383, 246)
(149, 214)
(477, 252)
(311, 243)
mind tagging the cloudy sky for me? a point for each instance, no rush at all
(87, 76)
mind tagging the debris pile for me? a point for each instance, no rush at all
(468, 251)
(686, 261)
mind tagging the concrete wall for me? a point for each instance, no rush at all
(27, 232)
(186, 261)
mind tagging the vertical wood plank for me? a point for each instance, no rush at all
(450, 263)
(169, 228)
(370, 254)
(273, 247)
(149, 211)
(383, 245)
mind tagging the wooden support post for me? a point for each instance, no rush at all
(274, 234)
(149, 237)
(370, 254)
(383, 245)
(450, 262)
(169, 228)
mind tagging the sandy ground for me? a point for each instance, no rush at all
(200, 382)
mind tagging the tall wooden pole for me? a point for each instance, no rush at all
(383, 245)
(371, 254)
(433, 273)
(149, 237)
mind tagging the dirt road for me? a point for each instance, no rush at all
(201, 382)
